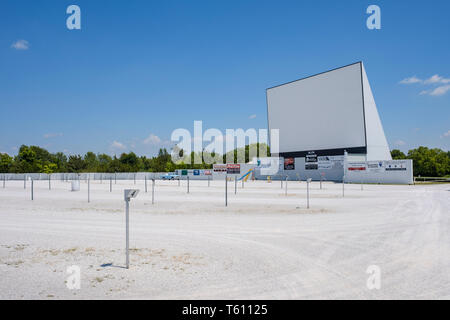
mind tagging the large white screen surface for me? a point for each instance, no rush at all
(320, 112)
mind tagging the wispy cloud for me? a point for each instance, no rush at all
(252, 116)
(21, 45)
(439, 91)
(116, 145)
(400, 143)
(152, 139)
(52, 135)
(411, 80)
(434, 80)
(446, 134)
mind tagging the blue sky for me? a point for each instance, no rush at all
(137, 70)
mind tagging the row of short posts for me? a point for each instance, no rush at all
(187, 178)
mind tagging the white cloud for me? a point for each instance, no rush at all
(152, 139)
(446, 134)
(411, 80)
(436, 79)
(253, 116)
(21, 45)
(400, 143)
(431, 81)
(118, 145)
(439, 91)
(52, 135)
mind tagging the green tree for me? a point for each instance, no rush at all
(76, 164)
(26, 161)
(397, 155)
(6, 162)
(91, 162)
(104, 162)
(159, 164)
(130, 162)
(49, 168)
(60, 159)
(429, 162)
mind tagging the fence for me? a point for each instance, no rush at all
(83, 176)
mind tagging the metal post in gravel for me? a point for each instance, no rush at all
(135, 178)
(49, 185)
(110, 184)
(24, 181)
(281, 180)
(343, 188)
(153, 191)
(32, 189)
(242, 183)
(4, 181)
(320, 182)
(307, 192)
(127, 227)
(285, 186)
(226, 191)
(115, 178)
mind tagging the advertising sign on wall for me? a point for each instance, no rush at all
(289, 164)
(311, 161)
(324, 162)
(311, 166)
(382, 171)
(396, 165)
(196, 172)
(356, 166)
(233, 168)
(311, 157)
(207, 172)
(220, 168)
(375, 166)
(269, 165)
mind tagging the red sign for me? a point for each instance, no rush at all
(356, 168)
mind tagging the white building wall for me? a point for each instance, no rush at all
(377, 146)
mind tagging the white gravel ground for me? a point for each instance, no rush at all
(264, 245)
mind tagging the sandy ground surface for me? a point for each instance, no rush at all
(264, 245)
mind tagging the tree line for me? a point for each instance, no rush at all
(426, 162)
(34, 159)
